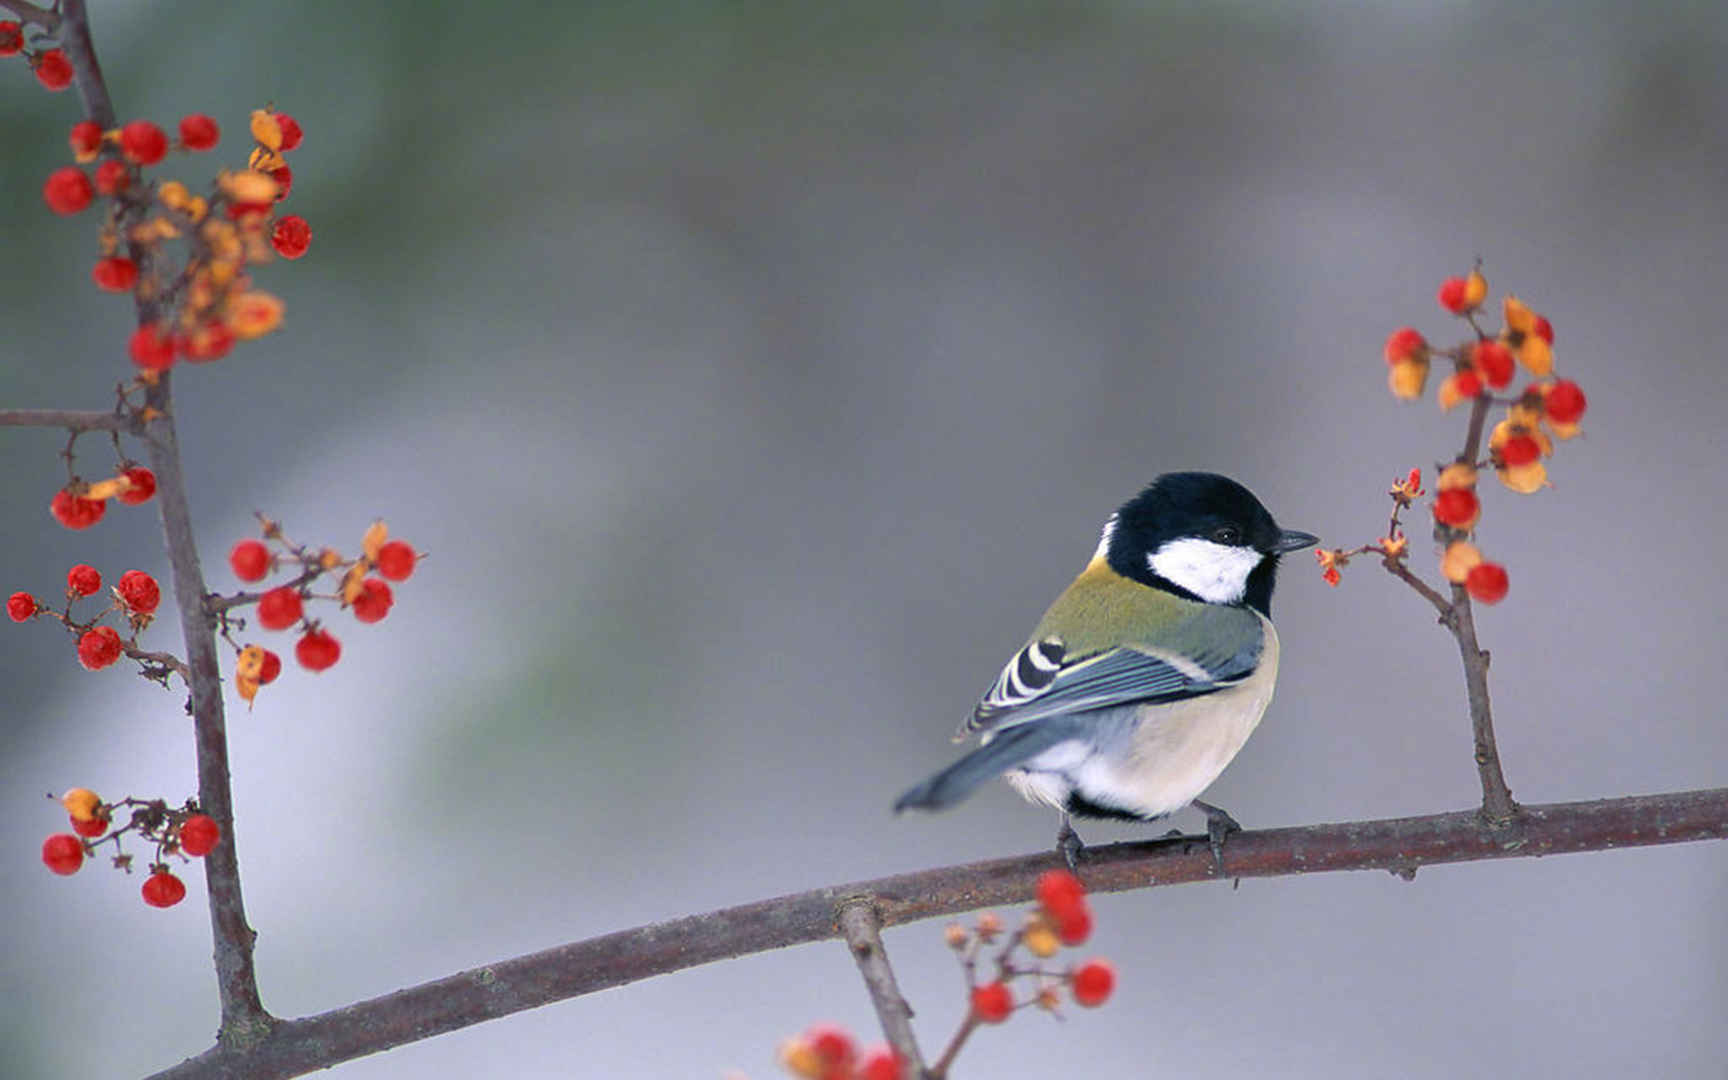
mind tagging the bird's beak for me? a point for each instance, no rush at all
(1291, 540)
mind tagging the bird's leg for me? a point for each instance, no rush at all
(1069, 845)
(1218, 825)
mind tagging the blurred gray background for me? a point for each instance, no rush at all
(755, 373)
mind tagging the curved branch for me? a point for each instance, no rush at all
(1401, 845)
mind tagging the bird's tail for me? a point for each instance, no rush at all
(1015, 746)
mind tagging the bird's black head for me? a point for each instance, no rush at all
(1202, 536)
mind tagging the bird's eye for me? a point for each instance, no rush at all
(1227, 534)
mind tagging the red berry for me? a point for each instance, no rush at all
(1520, 450)
(152, 347)
(1457, 507)
(1469, 384)
(396, 560)
(1452, 295)
(199, 132)
(1093, 983)
(11, 37)
(75, 511)
(251, 562)
(67, 190)
(291, 133)
(291, 237)
(21, 606)
(91, 827)
(53, 70)
(143, 143)
(140, 592)
(1565, 402)
(163, 889)
(1404, 345)
(1075, 926)
(284, 177)
(374, 601)
(98, 648)
(115, 274)
(85, 140)
(880, 1063)
(63, 853)
(1487, 582)
(206, 342)
(1060, 892)
(1494, 362)
(832, 1044)
(279, 608)
(269, 669)
(992, 1002)
(83, 579)
(112, 177)
(143, 487)
(317, 650)
(198, 835)
(1543, 329)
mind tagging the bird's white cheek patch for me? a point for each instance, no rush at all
(1216, 573)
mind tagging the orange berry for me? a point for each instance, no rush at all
(83, 580)
(992, 1002)
(279, 608)
(53, 70)
(141, 486)
(99, 647)
(1494, 362)
(317, 650)
(63, 853)
(1460, 558)
(1093, 983)
(199, 132)
(143, 143)
(1487, 582)
(1405, 344)
(75, 511)
(1407, 378)
(81, 803)
(67, 190)
(1565, 402)
(198, 835)
(85, 140)
(163, 889)
(1457, 507)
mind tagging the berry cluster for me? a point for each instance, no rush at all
(1062, 918)
(1544, 410)
(133, 600)
(176, 832)
(51, 66)
(828, 1052)
(204, 297)
(80, 505)
(364, 589)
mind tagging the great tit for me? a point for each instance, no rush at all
(1146, 675)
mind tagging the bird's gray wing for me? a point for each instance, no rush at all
(1218, 647)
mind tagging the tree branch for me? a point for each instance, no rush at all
(31, 14)
(72, 420)
(862, 928)
(243, 1017)
(1401, 845)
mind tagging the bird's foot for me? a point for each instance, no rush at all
(1219, 824)
(1069, 845)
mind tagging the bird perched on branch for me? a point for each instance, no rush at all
(1147, 674)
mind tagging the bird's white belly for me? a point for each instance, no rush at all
(1165, 759)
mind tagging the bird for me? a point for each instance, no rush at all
(1147, 674)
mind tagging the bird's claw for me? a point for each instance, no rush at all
(1069, 845)
(1219, 824)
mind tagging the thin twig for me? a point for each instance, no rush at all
(30, 13)
(862, 929)
(1403, 573)
(72, 420)
(1401, 845)
(939, 1071)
